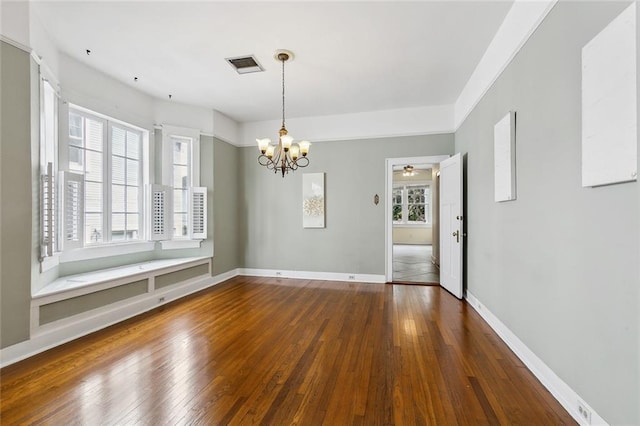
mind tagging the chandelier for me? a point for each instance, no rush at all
(286, 155)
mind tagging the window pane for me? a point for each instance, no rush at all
(133, 145)
(180, 177)
(180, 225)
(75, 141)
(93, 228)
(75, 127)
(93, 171)
(132, 199)
(181, 151)
(76, 159)
(93, 197)
(179, 201)
(117, 141)
(133, 228)
(133, 171)
(118, 229)
(416, 213)
(397, 212)
(117, 170)
(94, 134)
(117, 199)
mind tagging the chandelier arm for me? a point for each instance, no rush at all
(302, 162)
(263, 160)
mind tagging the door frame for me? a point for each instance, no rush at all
(388, 217)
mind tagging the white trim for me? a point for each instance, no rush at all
(566, 396)
(418, 225)
(521, 21)
(106, 250)
(15, 44)
(388, 197)
(77, 285)
(49, 262)
(103, 317)
(179, 244)
(422, 120)
(312, 275)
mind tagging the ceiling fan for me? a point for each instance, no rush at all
(409, 171)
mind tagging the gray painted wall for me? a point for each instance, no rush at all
(68, 307)
(226, 168)
(638, 192)
(353, 240)
(182, 275)
(558, 266)
(15, 199)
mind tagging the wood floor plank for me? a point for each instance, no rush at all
(278, 351)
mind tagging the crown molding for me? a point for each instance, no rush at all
(521, 21)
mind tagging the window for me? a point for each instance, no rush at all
(181, 171)
(48, 169)
(102, 196)
(412, 204)
(107, 155)
(181, 177)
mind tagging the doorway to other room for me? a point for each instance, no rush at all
(413, 193)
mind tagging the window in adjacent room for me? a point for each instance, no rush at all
(411, 204)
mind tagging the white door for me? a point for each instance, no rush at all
(451, 235)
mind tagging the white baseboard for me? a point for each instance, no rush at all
(566, 396)
(100, 318)
(311, 275)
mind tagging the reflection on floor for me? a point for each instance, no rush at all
(413, 263)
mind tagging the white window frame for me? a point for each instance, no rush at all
(49, 200)
(106, 247)
(192, 240)
(405, 204)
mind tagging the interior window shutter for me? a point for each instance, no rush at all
(198, 212)
(47, 213)
(159, 202)
(73, 208)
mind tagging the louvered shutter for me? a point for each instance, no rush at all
(198, 212)
(159, 202)
(48, 240)
(73, 208)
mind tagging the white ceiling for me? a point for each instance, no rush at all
(350, 56)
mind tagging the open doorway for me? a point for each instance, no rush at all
(412, 220)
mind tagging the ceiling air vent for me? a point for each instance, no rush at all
(245, 64)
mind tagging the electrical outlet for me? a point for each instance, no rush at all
(161, 299)
(352, 277)
(585, 413)
(278, 274)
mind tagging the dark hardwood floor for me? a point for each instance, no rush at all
(281, 352)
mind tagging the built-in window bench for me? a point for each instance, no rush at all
(122, 291)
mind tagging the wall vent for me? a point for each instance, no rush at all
(245, 64)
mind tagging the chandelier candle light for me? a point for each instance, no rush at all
(285, 155)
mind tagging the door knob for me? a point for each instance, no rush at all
(457, 235)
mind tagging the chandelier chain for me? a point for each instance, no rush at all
(283, 92)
